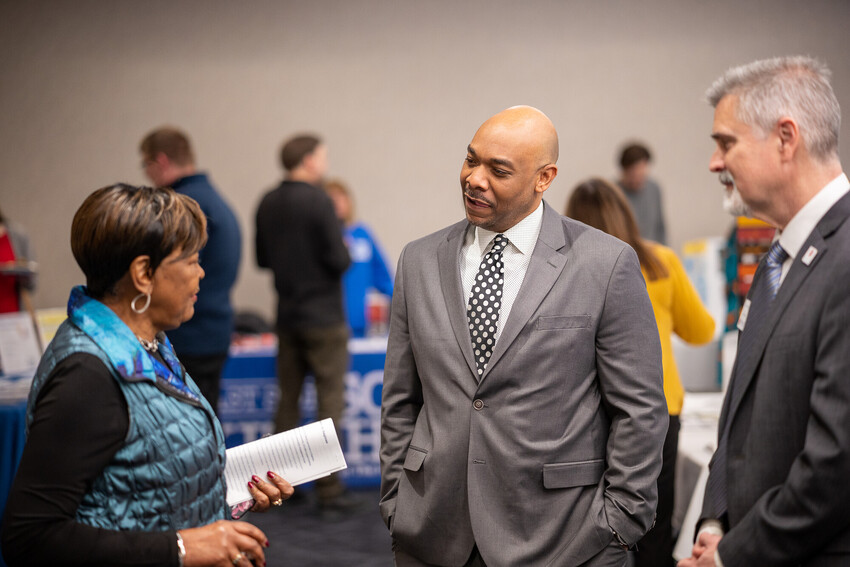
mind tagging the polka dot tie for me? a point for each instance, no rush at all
(484, 303)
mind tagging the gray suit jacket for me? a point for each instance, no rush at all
(561, 439)
(788, 464)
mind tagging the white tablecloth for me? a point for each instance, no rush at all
(697, 442)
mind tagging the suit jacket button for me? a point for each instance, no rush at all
(478, 404)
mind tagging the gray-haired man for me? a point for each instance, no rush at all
(778, 493)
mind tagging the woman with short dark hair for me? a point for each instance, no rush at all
(124, 459)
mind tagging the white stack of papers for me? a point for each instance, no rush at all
(298, 455)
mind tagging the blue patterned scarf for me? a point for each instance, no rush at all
(122, 347)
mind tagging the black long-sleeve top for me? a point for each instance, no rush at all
(79, 423)
(300, 239)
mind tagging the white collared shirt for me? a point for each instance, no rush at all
(515, 258)
(802, 224)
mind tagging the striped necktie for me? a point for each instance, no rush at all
(776, 256)
(762, 296)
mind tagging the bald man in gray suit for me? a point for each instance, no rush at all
(523, 414)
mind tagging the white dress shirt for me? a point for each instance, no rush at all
(516, 256)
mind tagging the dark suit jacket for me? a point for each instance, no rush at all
(788, 464)
(559, 442)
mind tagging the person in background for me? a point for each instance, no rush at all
(203, 341)
(124, 458)
(678, 309)
(523, 413)
(299, 238)
(16, 277)
(368, 271)
(777, 490)
(730, 271)
(643, 193)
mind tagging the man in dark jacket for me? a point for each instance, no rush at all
(777, 491)
(299, 238)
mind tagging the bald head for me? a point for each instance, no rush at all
(510, 162)
(529, 128)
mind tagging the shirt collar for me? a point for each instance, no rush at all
(523, 235)
(797, 231)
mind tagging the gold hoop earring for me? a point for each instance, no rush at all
(147, 304)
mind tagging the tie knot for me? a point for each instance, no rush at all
(499, 242)
(776, 255)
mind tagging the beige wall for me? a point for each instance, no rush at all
(396, 89)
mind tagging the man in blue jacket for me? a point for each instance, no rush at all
(203, 341)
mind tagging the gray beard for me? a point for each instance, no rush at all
(733, 203)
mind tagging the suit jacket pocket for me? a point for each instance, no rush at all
(414, 459)
(570, 475)
(570, 322)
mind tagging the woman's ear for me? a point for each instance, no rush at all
(141, 274)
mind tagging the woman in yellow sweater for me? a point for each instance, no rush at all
(678, 309)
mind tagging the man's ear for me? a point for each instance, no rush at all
(308, 161)
(545, 177)
(162, 160)
(789, 137)
(141, 274)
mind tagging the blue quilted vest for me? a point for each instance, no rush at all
(169, 473)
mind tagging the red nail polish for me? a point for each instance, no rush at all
(256, 479)
(267, 543)
(250, 486)
(270, 474)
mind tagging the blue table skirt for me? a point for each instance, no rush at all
(12, 438)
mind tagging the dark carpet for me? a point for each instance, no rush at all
(300, 537)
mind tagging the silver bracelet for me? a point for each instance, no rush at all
(181, 550)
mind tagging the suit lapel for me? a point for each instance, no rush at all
(747, 363)
(448, 258)
(547, 263)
